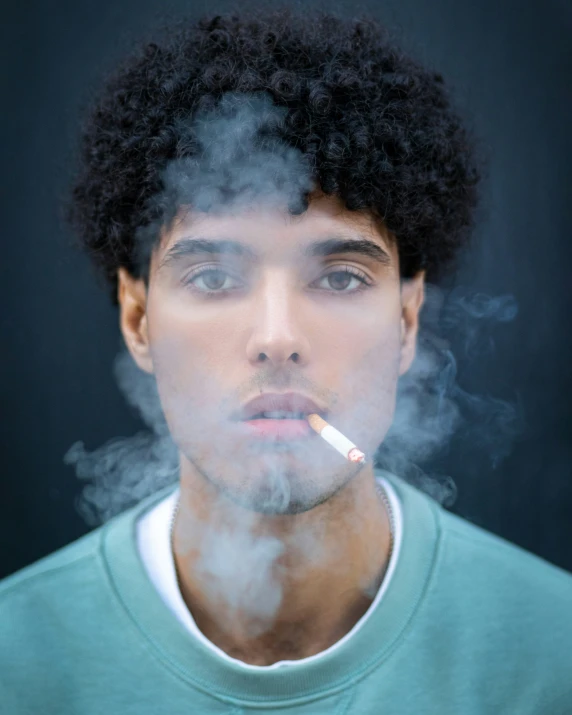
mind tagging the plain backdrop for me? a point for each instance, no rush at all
(510, 65)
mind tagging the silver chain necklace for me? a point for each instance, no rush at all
(380, 490)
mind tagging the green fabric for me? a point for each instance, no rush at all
(470, 624)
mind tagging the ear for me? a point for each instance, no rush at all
(412, 296)
(132, 297)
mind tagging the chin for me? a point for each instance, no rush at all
(265, 502)
(283, 492)
(274, 483)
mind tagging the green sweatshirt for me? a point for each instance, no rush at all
(470, 624)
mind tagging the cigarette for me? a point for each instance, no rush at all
(336, 439)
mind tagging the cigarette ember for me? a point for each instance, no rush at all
(336, 439)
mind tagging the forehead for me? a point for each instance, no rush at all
(256, 225)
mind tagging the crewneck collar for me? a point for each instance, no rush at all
(192, 661)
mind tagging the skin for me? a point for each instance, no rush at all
(307, 529)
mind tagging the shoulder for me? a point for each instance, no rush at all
(34, 597)
(489, 609)
(505, 609)
(65, 592)
(475, 560)
(41, 607)
(507, 570)
(59, 565)
(73, 567)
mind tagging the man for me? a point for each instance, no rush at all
(267, 197)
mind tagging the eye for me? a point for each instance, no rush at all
(346, 280)
(210, 280)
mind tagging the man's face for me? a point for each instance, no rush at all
(279, 310)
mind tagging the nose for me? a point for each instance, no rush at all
(277, 336)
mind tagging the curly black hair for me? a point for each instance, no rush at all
(377, 129)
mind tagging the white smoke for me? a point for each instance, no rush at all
(125, 470)
(432, 408)
(233, 157)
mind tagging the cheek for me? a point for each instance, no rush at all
(186, 340)
(183, 352)
(362, 346)
(365, 320)
(370, 387)
(374, 372)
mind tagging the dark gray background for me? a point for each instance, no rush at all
(510, 64)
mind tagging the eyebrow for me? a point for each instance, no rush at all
(192, 246)
(334, 244)
(341, 244)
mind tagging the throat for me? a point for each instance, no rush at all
(280, 587)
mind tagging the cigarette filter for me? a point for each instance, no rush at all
(336, 439)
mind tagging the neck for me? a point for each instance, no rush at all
(265, 588)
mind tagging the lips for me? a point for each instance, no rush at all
(277, 417)
(274, 406)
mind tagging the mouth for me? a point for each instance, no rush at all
(278, 417)
(277, 428)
